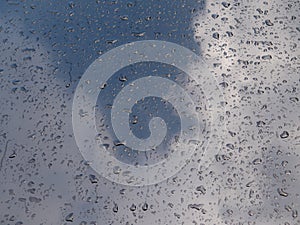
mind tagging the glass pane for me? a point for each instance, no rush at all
(149, 112)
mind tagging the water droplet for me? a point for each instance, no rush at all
(294, 213)
(145, 206)
(34, 199)
(284, 134)
(294, 99)
(229, 145)
(71, 5)
(119, 143)
(130, 4)
(250, 213)
(93, 179)
(201, 189)
(282, 192)
(269, 23)
(177, 215)
(226, 4)
(135, 120)
(266, 57)
(70, 217)
(13, 155)
(123, 78)
(16, 82)
(229, 211)
(224, 84)
(288, 172)
(195, 206)
(115, 208)
(216, 35)
(82, 113)
(103, 86)
(117, 170)
(130, 179)
(260, 11)
(124, 18)
(215, 16)
(111, 41)
(260, 123)
(284, 163)
(14, 66)
(132, 207)
(249, 183)
(257, 161)
(229, 33)
(138, 34)
(288, 208)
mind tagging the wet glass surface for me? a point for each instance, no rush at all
(244, 165)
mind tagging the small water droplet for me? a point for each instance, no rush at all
(138, 34)
(294, 213)
(224, 84)
(115, 208)
(229, 145)
(226, 4)
(119, 143)
(82, 113)
(195, 206)
(249, 183)
(103, 86)
(71, 5)
(16, 82)
(269, 23)
(260, 123)
(266, 57)
(123, 78)
(216, 35)
(117, 170)
(145, 206)
(124, 18)
(229, 33)
(13, 155)
(14, 66)
(70, 217)
(132, 207)
(135, 120)
(93, 179)
(284, 134)
(111, 41)
(229, 211)
(34, 199)
(250, 213)
(257, 161)
(201, 189)
(215, 16)
(282, 192)
(294, 99)
(284, 163)
(130, 179)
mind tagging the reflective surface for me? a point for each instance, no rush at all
(251, 51)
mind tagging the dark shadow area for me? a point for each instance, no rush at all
(77, 32)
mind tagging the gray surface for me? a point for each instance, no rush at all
(46, 47)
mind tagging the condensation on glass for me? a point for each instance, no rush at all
(251, 49)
